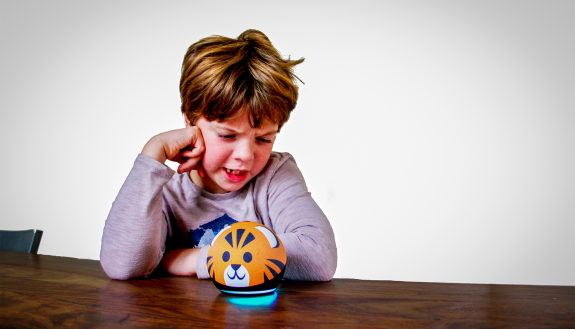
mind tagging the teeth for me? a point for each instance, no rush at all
(234, 172)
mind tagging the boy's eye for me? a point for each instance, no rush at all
(263, 140)
(226, 136)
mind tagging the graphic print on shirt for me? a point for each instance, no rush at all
(203, 235)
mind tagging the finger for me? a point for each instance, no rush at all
(193, 150)
(179, 158)
(188, 165)
(200, 169)
(178, 141)
(198, 146)
(191, 153)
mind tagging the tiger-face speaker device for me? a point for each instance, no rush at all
(246, 258)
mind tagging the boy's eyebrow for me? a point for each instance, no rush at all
(271, 132)
(222, 126)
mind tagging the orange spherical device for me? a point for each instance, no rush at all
(246, 258)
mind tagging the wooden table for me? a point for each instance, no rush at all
(48, 291)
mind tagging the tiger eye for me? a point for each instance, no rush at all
(226, 256)
(248, 257)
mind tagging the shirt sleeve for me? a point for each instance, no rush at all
(135, 231)
(301, 225)
(202, 264)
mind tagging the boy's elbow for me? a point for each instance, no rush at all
(327, 270)
(118, 275)
(328, 275)
(327, 264)
(118, 271)
(314, 271)
(312, 267)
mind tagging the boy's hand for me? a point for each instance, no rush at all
(184, 146)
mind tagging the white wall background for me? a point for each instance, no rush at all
(438, 136)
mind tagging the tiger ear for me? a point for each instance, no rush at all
(272, 239)
(219, 233)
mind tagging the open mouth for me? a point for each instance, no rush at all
(235, 172)
(235, 175)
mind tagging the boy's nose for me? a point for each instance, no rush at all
(244, 151)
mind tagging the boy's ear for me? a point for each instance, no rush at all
(186, 121)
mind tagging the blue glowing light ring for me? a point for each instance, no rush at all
(259, 292)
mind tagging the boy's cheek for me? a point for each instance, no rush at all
(213, 158)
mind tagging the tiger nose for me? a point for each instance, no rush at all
(236, 267)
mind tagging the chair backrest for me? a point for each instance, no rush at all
(23, 241)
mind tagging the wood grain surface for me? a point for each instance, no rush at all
(40, 291)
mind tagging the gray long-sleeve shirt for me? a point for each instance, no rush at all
(158, 210)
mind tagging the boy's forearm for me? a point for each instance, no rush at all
(135, 230)
(154, 149)
(181, 261)
(302, 226)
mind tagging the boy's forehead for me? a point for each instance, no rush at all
(241, 123)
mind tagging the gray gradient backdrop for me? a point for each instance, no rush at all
(438, 136)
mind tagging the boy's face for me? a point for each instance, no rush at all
(235, 152)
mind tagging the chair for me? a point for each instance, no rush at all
(22, 241)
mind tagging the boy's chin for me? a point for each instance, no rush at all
(222, 185)
(227, 187)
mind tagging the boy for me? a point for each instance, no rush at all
(236, 95)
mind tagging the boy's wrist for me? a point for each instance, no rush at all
(155, 150)
(181, 261)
